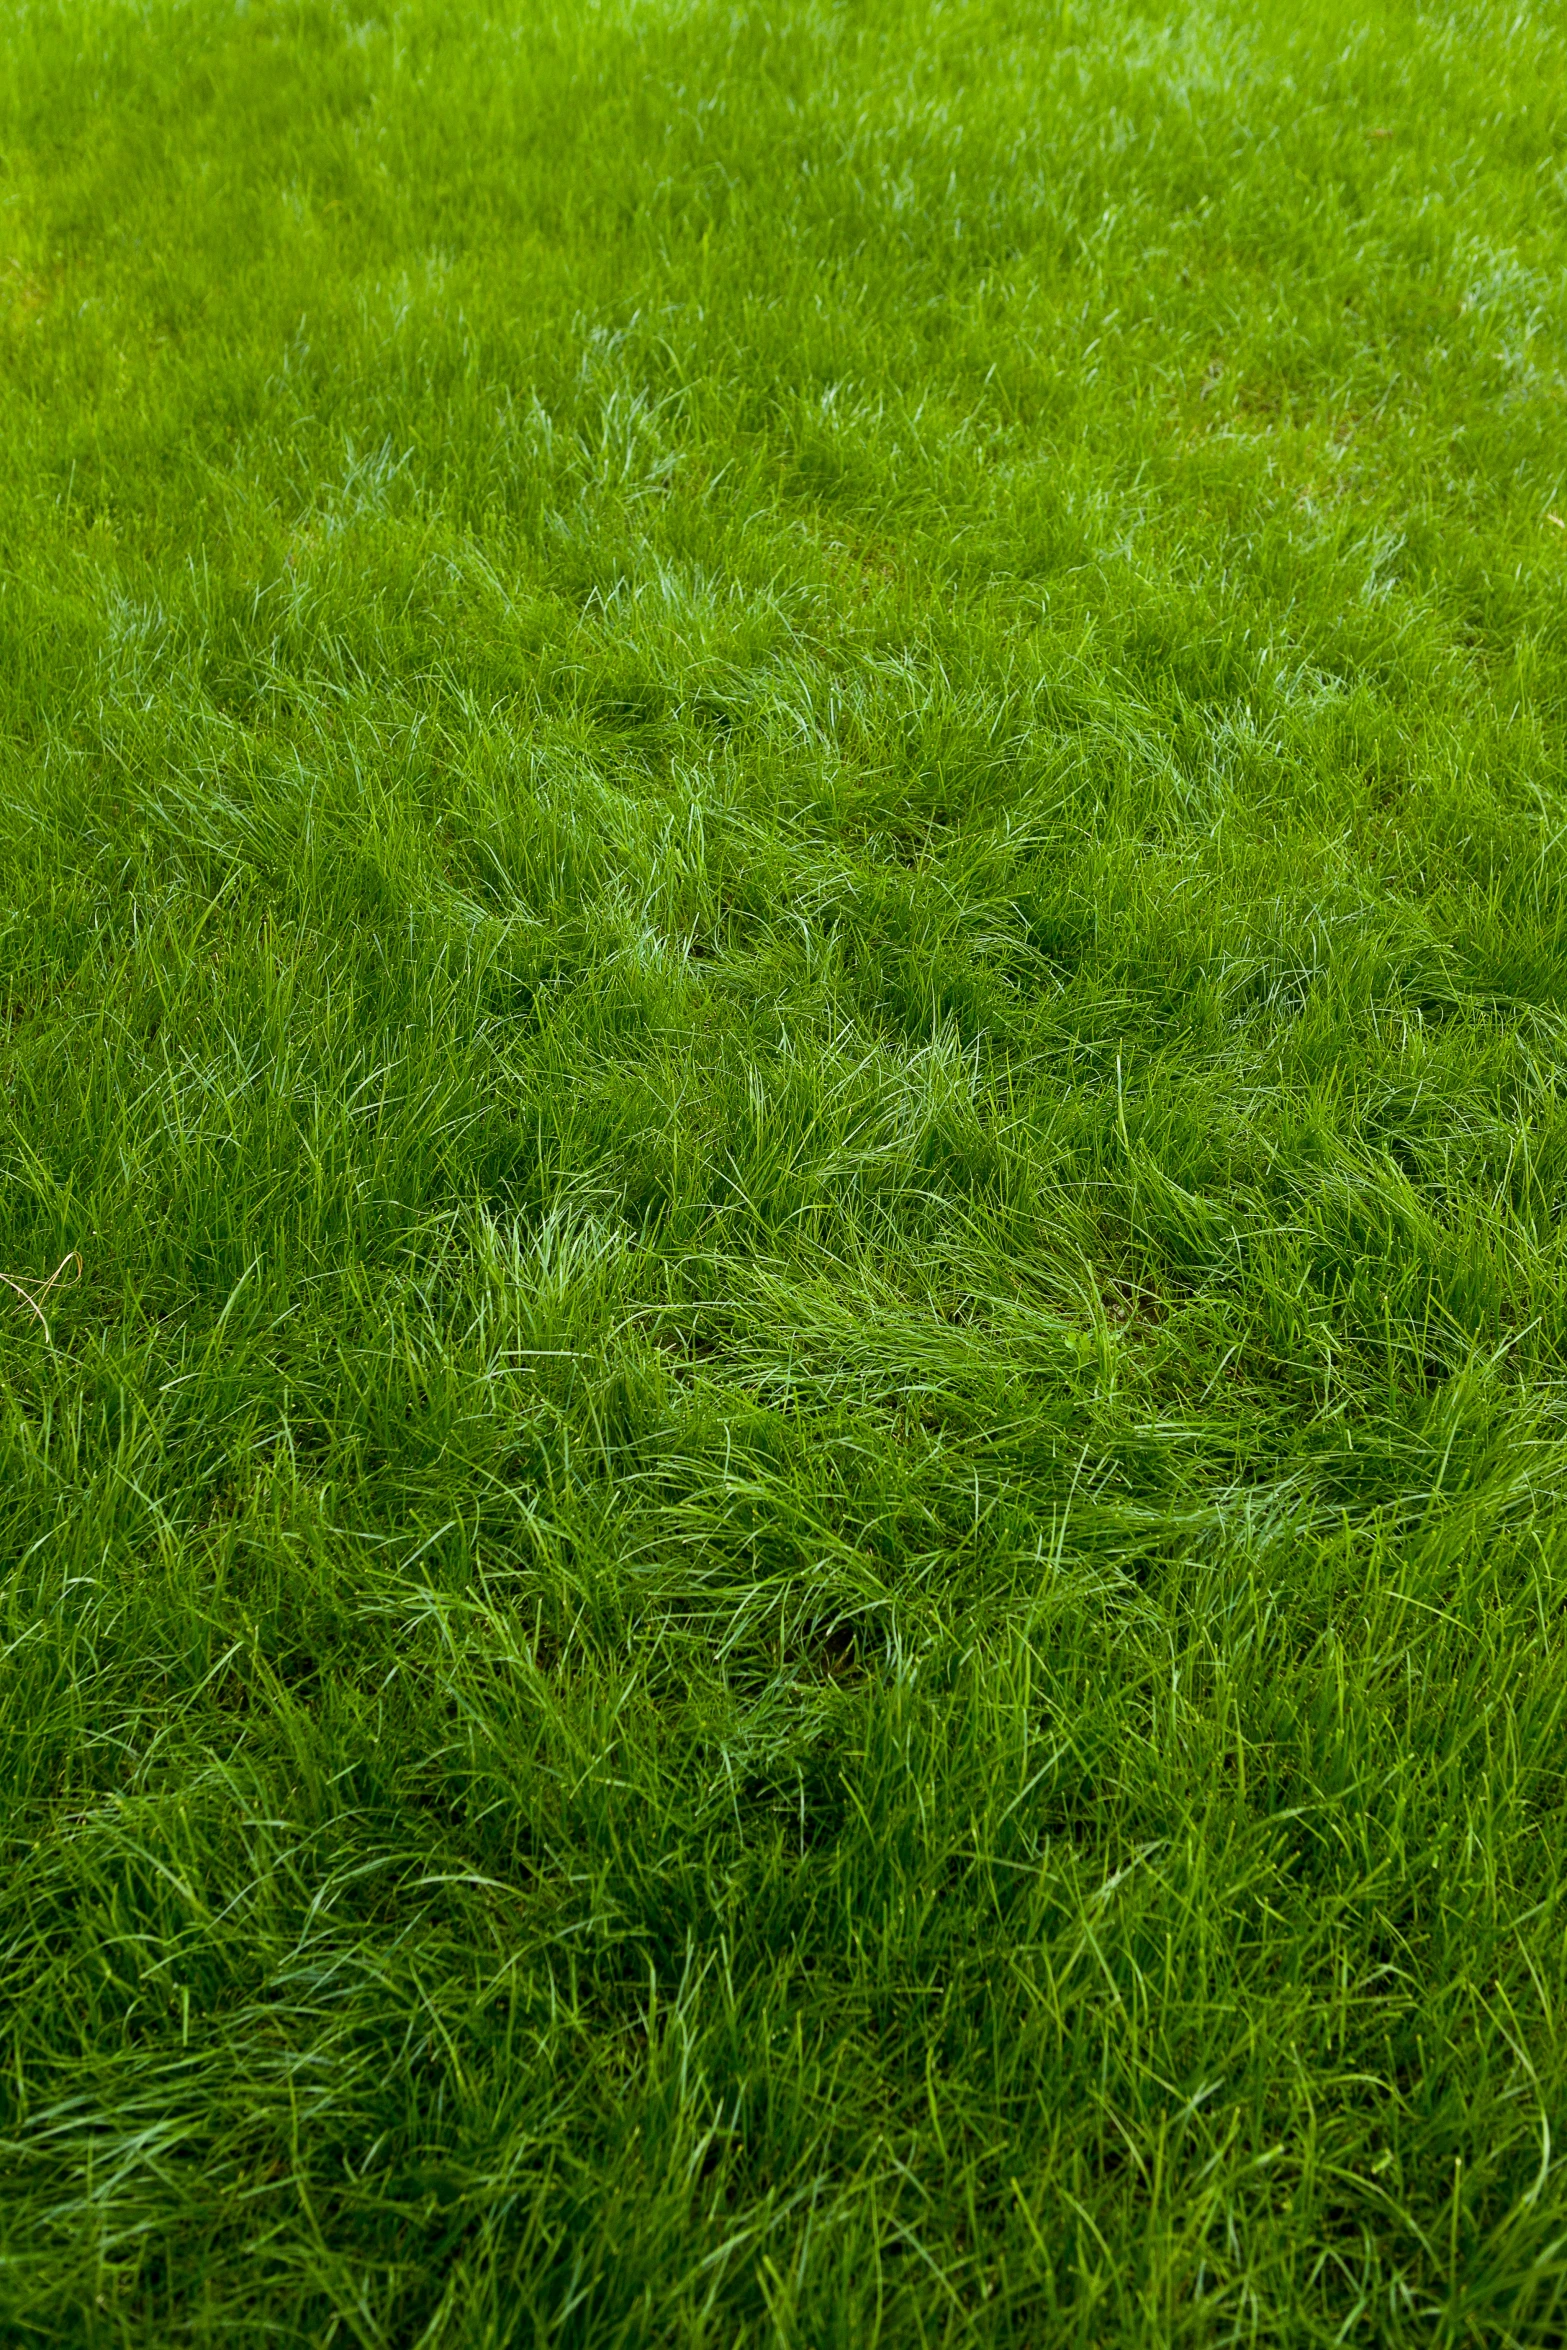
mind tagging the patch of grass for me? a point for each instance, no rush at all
(781, 811)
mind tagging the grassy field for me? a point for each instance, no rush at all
(783, 978)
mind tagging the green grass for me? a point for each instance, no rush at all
(783, 912)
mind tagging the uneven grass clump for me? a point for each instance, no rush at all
(783, 1353)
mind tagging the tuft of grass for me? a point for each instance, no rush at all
(784, 918)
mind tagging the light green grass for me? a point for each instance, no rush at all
(782, 881)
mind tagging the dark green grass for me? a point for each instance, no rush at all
(784, 915)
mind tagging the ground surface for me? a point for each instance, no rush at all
(783, 914)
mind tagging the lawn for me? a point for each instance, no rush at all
(783, 1157)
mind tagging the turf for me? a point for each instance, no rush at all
(783, 943)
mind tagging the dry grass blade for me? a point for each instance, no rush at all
(34, 1298)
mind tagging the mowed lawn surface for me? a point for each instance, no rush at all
(783, 895)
